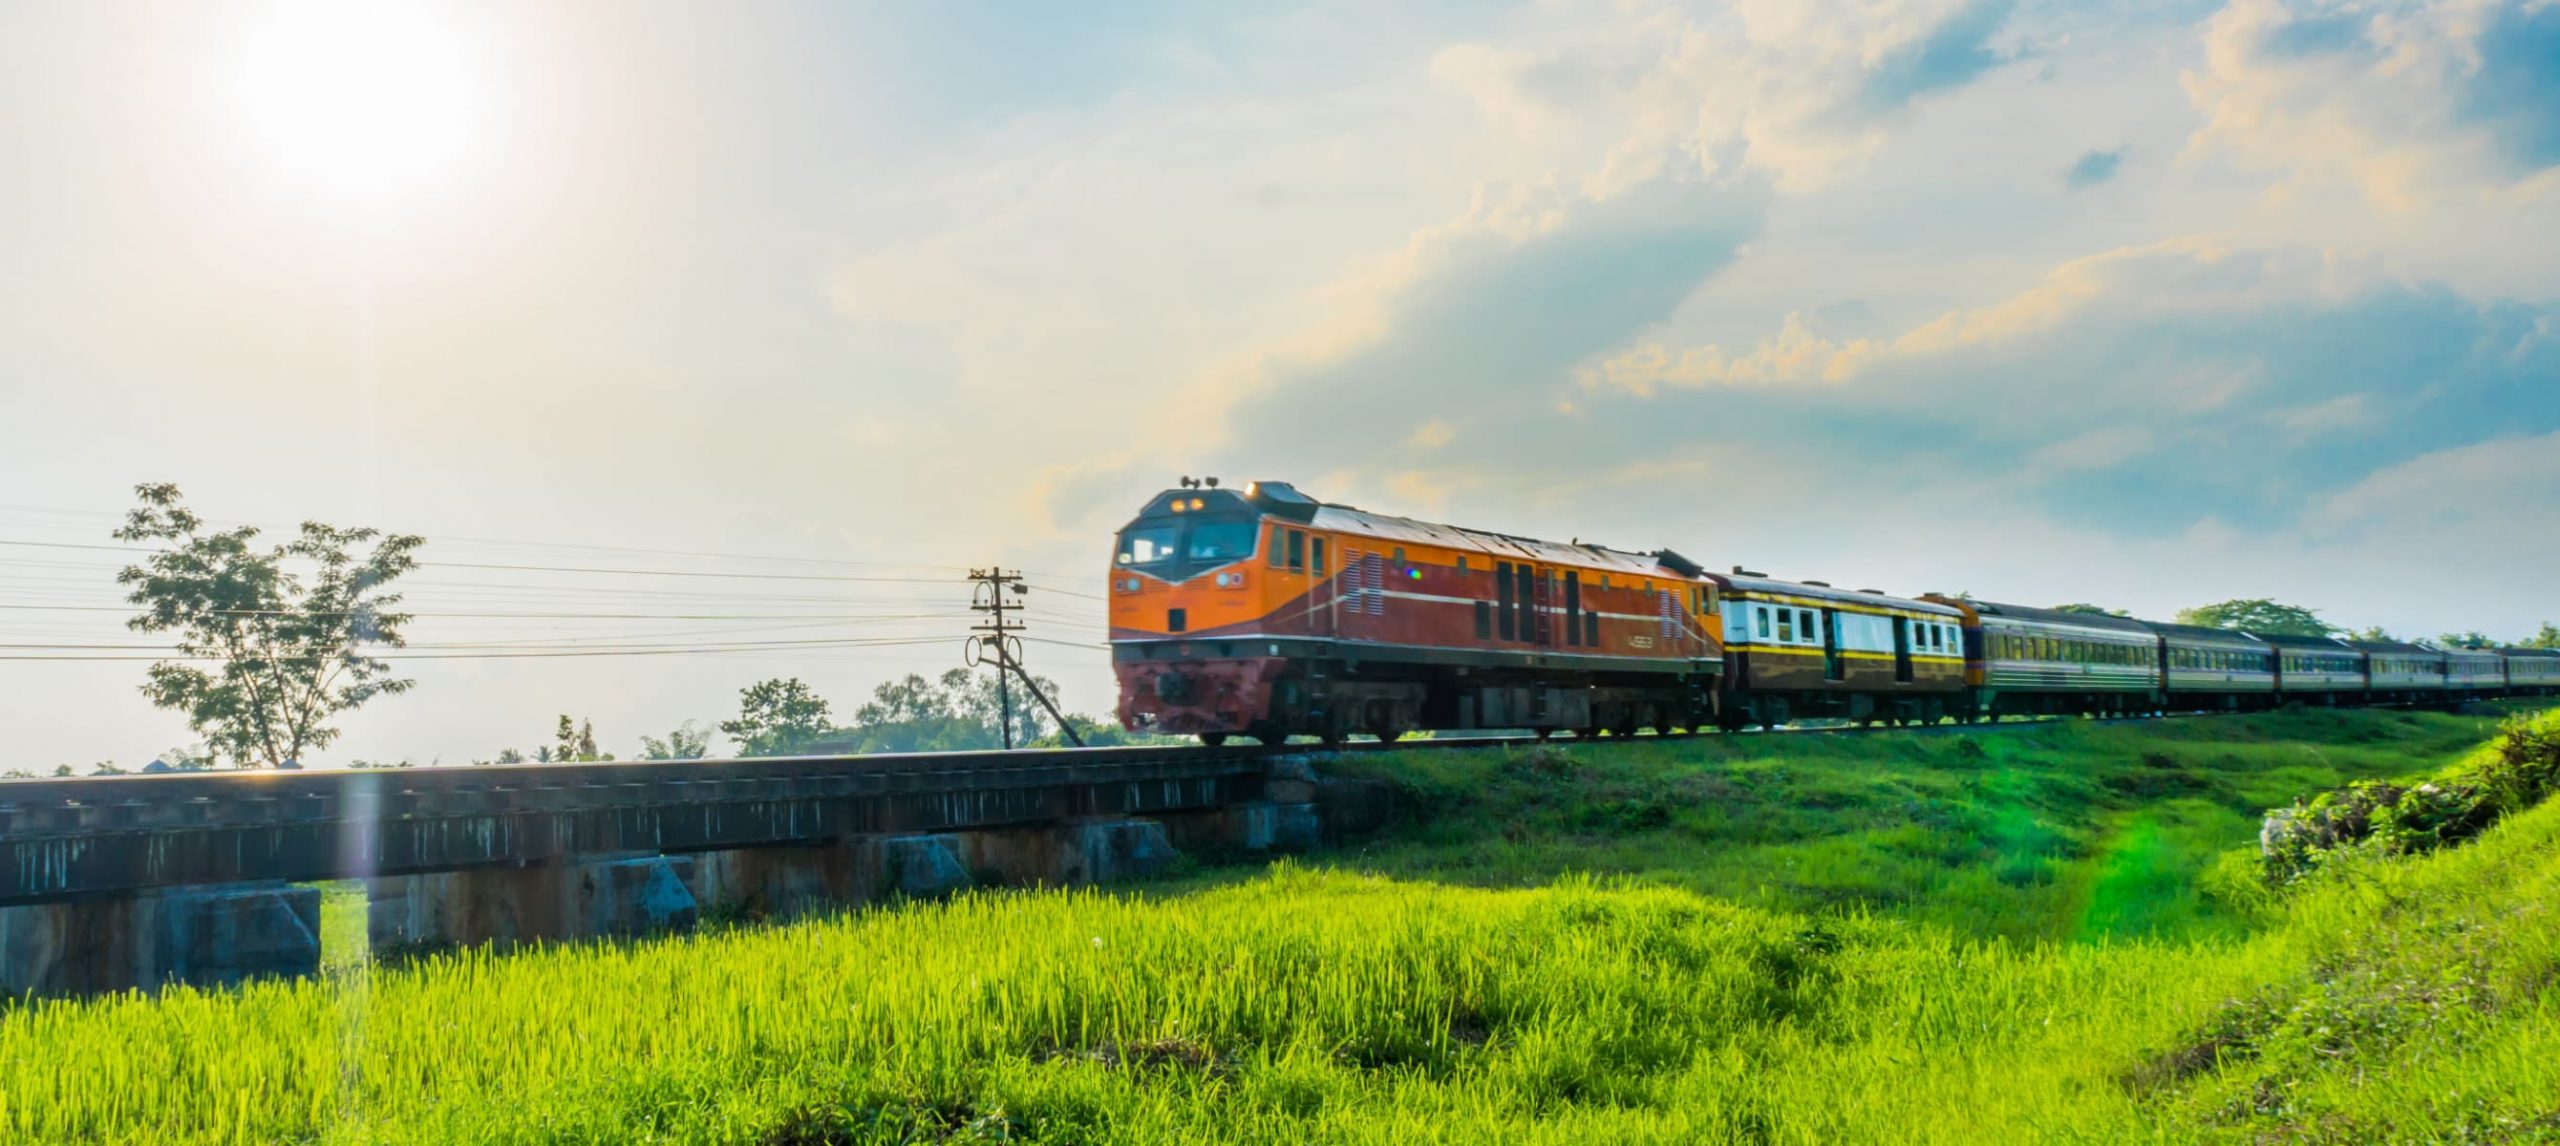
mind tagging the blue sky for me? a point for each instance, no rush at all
(2145, 303)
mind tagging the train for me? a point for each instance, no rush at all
(1264, 613)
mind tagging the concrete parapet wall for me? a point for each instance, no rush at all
(224, 933)
(201, 936)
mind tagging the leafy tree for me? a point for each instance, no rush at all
(288, 653)
(2091, 610)
(2258, 615)
(776, 718)
(2548, 638)
(2475, 639)
(510, 756)
(958, 711)
(573, 742)
(186, 758)
(1104, 734)
(2371, 633)
(689, 741)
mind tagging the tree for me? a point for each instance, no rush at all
(2091, 610)
(2258, 615)
(689, 741)
(958, 711)
(287, 653)
(2475, 639)
(776, 718)
(2548, 638)
(2371, 633)
(572, 742)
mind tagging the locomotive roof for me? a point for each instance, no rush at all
(1358, 522)
(2537, 654)
(2061, 617)
(1751, 583)
(2192, 634)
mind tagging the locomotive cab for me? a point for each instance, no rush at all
(1183, 533)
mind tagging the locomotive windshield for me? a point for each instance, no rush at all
(1149, 545)
(1176, 548)
(1220, 540)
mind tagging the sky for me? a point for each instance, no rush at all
(715, 343)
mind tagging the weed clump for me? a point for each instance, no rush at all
(2386, 818)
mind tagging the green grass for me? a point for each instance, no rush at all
(2404, 999)
(2063, 830)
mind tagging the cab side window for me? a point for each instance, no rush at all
(1318, 545)
(1273, 550)
(1298, 549)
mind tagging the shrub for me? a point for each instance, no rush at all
(2378, 816)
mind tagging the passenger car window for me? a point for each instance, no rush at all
(1761, 613)
(1786, 626)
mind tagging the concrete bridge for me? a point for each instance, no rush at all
(108, 883)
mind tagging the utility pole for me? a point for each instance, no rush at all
(994, 593)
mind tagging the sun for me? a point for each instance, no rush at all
(363, 101)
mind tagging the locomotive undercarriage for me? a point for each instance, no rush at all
(1272, 698)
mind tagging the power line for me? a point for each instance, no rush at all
(845, 617)
(641, 651)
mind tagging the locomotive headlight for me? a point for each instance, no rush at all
(1127, 585)
(1231, 580)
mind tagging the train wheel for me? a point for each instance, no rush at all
(1214, 739)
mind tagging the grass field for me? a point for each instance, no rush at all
(1854, 993)
(2059, 830)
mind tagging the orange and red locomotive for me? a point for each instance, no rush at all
(1264, 612)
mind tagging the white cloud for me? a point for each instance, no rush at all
(2190, 275)
(2393, 97)
(1792, 88)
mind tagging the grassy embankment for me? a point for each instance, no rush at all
(2411, 998)
(2062, 830)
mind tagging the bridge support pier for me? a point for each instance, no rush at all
(787, 882)
(202, 936)
(587, 898)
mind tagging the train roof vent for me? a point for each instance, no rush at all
(1281, 498)
(1824, 584)
(1678, 564)
(1876, 592)
(1739, 571)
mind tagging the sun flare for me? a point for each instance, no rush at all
(363, 101)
